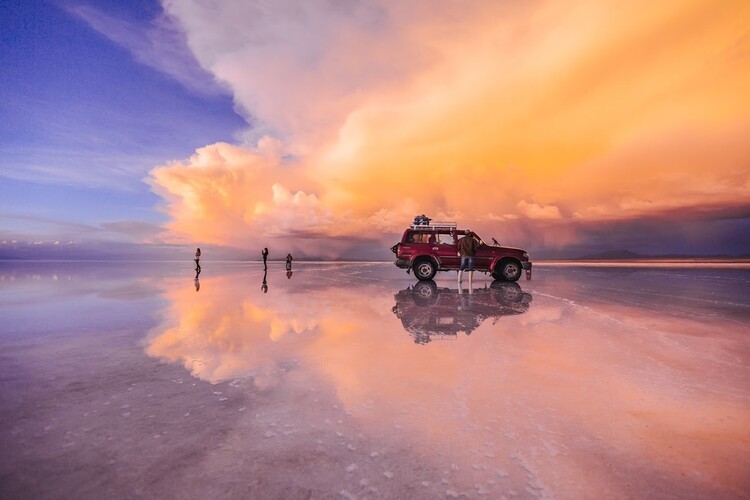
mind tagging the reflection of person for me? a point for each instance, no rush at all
(197, 283)
(467, 249)
(198, 260)
(264, 286)
(264, 253)
(289, 274)
(289, 262)
(461, 288)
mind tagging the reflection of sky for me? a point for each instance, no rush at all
(588, 372)
(611, 383)
(43, 299)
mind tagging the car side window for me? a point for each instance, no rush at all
(445, 238)
(418, 237)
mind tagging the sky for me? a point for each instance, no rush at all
(144, 129)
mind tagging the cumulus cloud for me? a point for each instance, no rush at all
(522, 115)
(536, 211)
(217, 192)
(292, 211)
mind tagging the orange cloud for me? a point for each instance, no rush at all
(522, 114)
(232, 195)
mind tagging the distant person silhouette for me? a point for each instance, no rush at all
(264, 253)
(198, 260)
(289, 262)
(264, 286)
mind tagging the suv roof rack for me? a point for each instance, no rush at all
(435, 225)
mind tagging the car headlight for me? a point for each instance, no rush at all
(526, 255)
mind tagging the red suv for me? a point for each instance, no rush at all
(428, 247)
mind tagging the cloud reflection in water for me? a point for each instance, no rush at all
(580, 397)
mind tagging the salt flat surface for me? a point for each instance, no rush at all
(348, 381)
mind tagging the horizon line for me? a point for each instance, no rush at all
(553, 262)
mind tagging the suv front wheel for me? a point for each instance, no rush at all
(507, 270)
(425, 269)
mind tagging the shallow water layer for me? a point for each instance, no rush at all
(353, 380)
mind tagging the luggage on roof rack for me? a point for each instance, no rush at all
(424, 222)
(435, 225)
(421, 220)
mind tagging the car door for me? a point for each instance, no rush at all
(484, 257)
(446, 250)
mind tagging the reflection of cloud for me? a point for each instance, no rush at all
(561, 382)
(543, 314)
(224, 337)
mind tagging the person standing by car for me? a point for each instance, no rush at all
(467, 250)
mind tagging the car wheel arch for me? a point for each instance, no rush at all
(431, 258)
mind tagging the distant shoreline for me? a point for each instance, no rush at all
(715, 263)
(665, 263)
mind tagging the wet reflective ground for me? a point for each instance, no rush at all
(353, 380)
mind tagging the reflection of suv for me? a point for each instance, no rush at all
(428, 247)
(428, 312)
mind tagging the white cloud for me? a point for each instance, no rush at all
(536, 211)
(160, 44)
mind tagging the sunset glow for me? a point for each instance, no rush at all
(536, 118)
(220, 278)
(323, 128)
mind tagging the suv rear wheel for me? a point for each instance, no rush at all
(507, 270)
(425, 269)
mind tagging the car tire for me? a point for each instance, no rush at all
(507, 270)
(424, 269)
